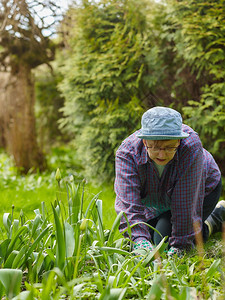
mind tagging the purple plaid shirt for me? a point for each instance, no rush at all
(143, 195)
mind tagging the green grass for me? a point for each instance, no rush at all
(28, 192)
(107, 195)
(29, 200)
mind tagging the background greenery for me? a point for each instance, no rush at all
(123, 57)
(117, 58)
(28, 192)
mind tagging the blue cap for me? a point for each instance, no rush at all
(161, 123)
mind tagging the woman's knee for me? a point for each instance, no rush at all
(164, 226)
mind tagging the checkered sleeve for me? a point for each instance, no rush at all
(128, 199)
(187, 198)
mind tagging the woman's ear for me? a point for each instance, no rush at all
(144, 142)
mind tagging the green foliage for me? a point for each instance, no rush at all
(208, 118)
(48, 104)
(199, 36)
(24, 194)
(200, 41)
(68, 254)
(106, 78)
(124, 57)
(102, 135)
(11, 280)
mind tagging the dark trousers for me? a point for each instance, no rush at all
(163, 222)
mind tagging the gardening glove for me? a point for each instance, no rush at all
(175, 251)
(143, 244)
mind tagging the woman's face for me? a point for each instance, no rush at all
(161, 152)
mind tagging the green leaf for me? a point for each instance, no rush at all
(9, 261)
(113, 293)
(4, 247)
(100, 220)
(7, 221)
(25, 295)
(112, 250)
(19, 259)
(114, 228)
(213, 269)
(36, 223)
(38, 239)
(11, 279)
(69, 239)
(19, 232)
(61, 249)
(156, 289)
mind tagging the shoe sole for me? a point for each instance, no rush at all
(221, 203)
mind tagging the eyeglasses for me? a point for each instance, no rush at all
(168, 150)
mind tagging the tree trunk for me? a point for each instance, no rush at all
(17, 116)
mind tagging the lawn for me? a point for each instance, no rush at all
(28, 192)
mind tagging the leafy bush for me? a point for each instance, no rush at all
(48, 104)
(107, 78)
(102, 135)
(208, 118)
(199, 39)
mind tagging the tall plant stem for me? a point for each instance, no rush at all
(77, 256)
